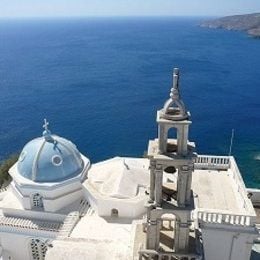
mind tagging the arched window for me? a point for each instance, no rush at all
(38, 249)
(114, 213)
(37, 201)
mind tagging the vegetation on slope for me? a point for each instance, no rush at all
(5, 165)
(249, 23)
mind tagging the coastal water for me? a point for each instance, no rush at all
(99, 82)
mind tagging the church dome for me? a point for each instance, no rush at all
(49, 158)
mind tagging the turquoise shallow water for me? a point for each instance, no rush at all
(100, 81)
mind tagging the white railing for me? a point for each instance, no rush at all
(241, 188)
(223, 218)
(84, 207)
(69, 223)
(23, 223)
(236, 175)
(212, 162)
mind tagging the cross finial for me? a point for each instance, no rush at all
(45, 125)
(46, 133)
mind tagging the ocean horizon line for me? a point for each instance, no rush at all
(103, 17)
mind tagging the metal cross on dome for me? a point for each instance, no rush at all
(45, 125)
(47, 133)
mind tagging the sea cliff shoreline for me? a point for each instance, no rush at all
(249, 23)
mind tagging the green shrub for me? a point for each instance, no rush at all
(5, 165)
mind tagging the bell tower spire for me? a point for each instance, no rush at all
(173, 115)
(171, 166)
(174, 107)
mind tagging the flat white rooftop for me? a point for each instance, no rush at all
(220, 194)
(216, 190)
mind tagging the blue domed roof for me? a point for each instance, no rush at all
(50, 158)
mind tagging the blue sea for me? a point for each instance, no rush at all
(99, 82)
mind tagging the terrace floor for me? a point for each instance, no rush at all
(215, 189)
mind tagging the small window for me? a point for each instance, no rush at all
(56, 160)
(114, 213)
(37, 201)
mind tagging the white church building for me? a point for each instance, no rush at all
(173, 205)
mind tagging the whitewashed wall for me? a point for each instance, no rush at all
(228, 244)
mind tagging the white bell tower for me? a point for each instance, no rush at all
(172, 157)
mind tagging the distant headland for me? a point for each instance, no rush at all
(249, 23)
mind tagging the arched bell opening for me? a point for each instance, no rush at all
(168, 232)
(171, 146)
(169, 188)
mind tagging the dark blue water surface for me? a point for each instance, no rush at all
(100, 81)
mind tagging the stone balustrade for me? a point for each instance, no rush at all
(212, 162)
(223, 218)
(85, 208)
(69, 223)
(14, 222)
(241, 188)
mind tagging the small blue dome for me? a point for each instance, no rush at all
(50, 159)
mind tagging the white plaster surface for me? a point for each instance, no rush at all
(95, 238)
(216, 190)
(119, 177)
(87, 249)
(10, 201)
(227, 244)
(95, 227)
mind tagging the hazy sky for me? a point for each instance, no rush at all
(57, 8)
